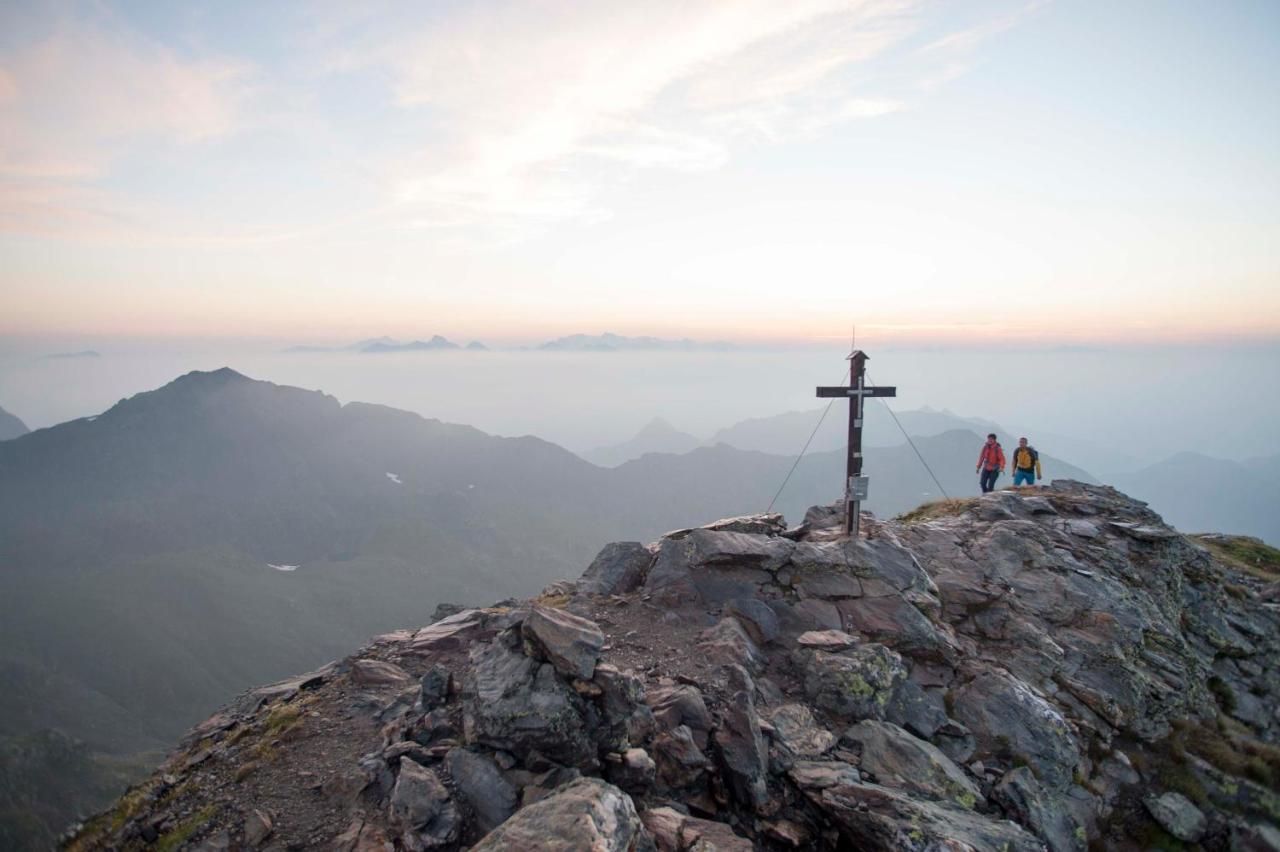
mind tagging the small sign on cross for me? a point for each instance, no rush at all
(855, 490)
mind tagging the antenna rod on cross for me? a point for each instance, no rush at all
(855, 484)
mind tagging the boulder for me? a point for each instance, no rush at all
(421, 809)
(894, 758)
(878, 818)
(682, 704)
(482, 786)
(821, 774)
(759, 620)
(434, 687)
(618, 568)
(633, 771)
(673, 831)
(572, 644)
(679, 760)
(728, 644)
(588, 815)
(820, 615)
(713, 567)
(519, 705)
(1011, 722)
(742, 752)
(922, 712)
(795, 729)
(1177, 815)
(370, 672)
(455, 631)
(257, 828)
(627, 719)
(852, 685)
(826, 640)
(1024, 798)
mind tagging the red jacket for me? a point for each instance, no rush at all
(991, 457)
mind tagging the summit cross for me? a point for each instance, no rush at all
(855, 484)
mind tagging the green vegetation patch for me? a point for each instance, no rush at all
(948, 508)
(1245, 553)
(185, 830)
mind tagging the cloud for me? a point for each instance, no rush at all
(539, 106)
(75, 100)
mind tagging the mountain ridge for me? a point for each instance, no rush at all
(743, 685)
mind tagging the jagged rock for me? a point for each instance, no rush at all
(588, 815)
(727, 643)
(826, 640)
(627, 717)
(877, 818)
(482, 786)
(1177, 815)
(680, 762)
(673, 831)
(257, 827)
(519, 705)
(894, 621)
(714, 567)
(675, 705)
(741, 747)
(922, 712)
(821, 774)
(362, 836)
(456, 631)
(434, 687)
(852, 685)
(1025, 799)
(820, 615)
(1011, 722)
(547, 782)
(572, 644)
(219, 842)
(619, 568)
(634, 771)
(421, 808)
(767, 523)
(897, 759)
(759, 620)
(1259, 837)
(955, 741)
(795, 728)
(371, 672)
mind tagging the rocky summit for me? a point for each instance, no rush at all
(1053, 668)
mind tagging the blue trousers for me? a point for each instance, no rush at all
(1023, 477)
(988, 480)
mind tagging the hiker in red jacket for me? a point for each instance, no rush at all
(990, 463)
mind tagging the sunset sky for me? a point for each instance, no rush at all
(1067, 171)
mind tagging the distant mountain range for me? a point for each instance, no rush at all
(1198, 493)
(11, 426)
(609, 342)
(61, 356)
(387, 344)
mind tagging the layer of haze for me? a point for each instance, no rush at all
(976, 173)
(1140, 404)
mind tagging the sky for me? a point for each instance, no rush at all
(972, 174)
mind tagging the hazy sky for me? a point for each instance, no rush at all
(967, 172)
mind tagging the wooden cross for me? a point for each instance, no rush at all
(855, 486)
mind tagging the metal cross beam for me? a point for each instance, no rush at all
(855, 487)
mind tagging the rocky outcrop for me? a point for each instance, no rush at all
(1051, 668)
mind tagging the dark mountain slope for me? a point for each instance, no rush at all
(1198, 492)
(11, 426)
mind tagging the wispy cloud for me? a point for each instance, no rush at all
(541, 104)
(86, 94)
(504, 115)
